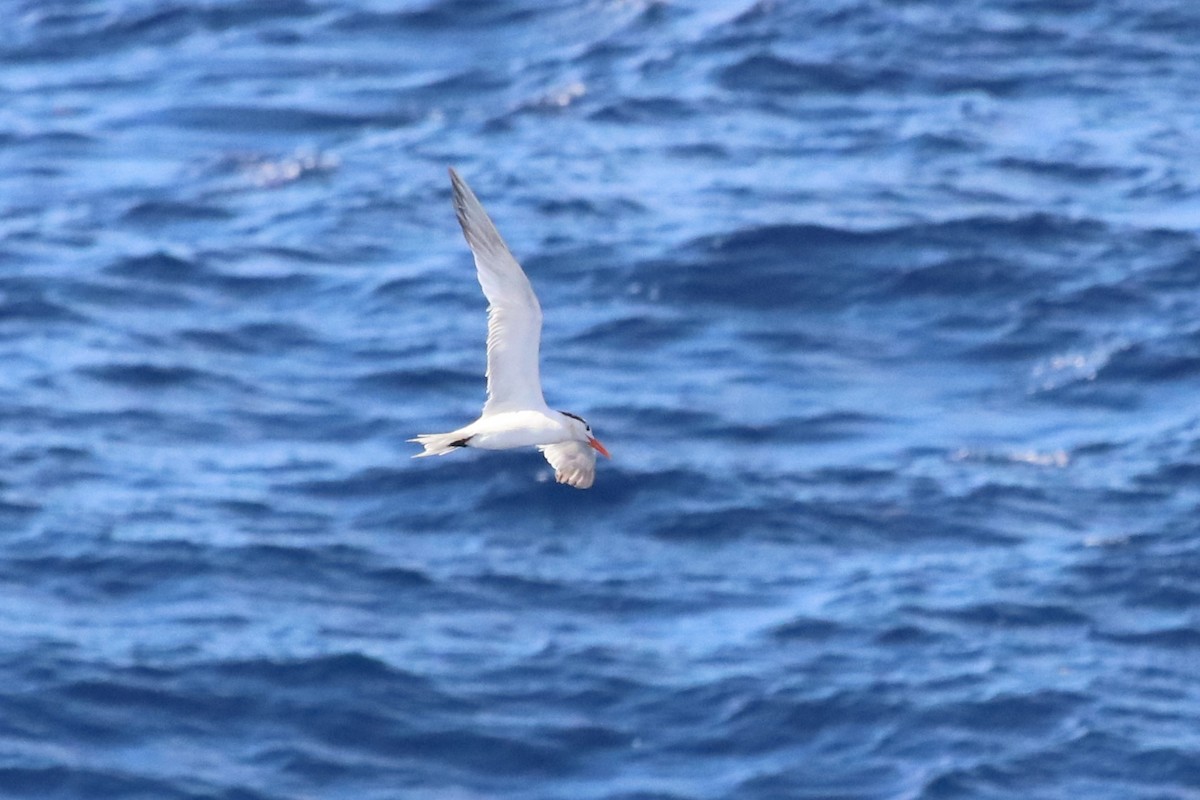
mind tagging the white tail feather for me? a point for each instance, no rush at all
(437, 444)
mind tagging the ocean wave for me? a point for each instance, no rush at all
(887, 313)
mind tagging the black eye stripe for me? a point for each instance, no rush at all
(573, 416)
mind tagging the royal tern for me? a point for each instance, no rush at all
(515, 414)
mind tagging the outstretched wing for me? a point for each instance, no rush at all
(514, 316)
(574, 463)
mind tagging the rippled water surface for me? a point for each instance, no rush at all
(888, 311)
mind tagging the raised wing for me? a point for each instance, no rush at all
(574, 463)
(514, 316)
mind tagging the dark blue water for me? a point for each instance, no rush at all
(888, 311)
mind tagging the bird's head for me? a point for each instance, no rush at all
(581, 431)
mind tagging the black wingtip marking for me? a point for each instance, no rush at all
(461, 442)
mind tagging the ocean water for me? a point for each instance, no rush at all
(889, 311)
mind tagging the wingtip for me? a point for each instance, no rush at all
(458, 188)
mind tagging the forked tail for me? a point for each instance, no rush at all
(438, 444)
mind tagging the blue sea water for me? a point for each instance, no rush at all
(889, 311)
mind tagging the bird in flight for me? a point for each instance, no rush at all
(515, 414)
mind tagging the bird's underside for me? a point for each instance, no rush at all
(574, 462)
